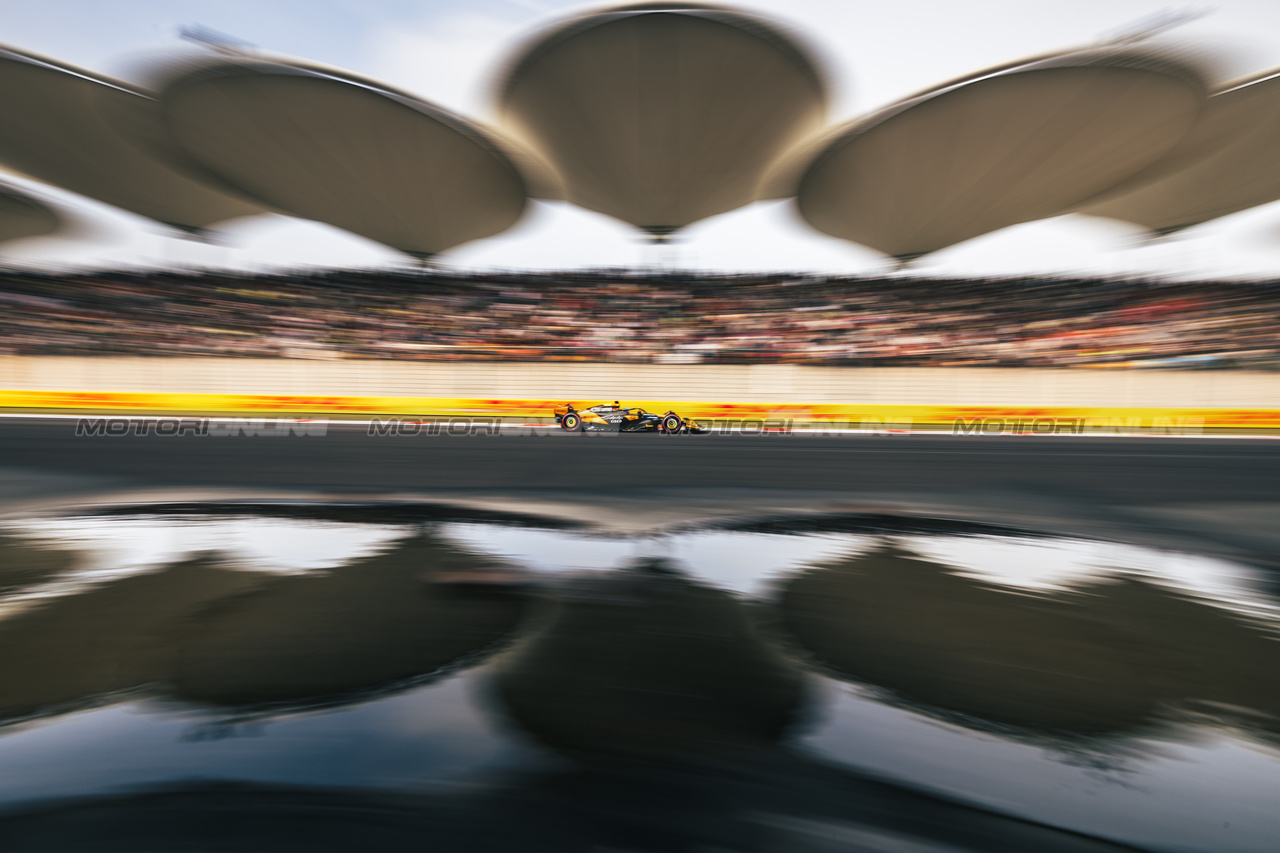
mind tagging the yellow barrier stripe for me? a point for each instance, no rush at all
(1026, 417)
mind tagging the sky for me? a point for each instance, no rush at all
(449, 52)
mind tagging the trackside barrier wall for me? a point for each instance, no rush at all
(965, 400)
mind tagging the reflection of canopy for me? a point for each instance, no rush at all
(1102, 658)
(23, 564)
(23, 216)
(1227, 163)
(644, 661)
(369, 623)
(113, 638)
(218, 635)
(661, 114)
(331, 147)
(52, 128)
(1013, 145)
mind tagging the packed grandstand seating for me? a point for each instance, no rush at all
(664, 318)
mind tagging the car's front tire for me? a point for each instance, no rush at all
(672, 424)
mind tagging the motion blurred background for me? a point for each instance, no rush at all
(214, 266)
(452, 55)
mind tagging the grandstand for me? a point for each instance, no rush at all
(646, 318)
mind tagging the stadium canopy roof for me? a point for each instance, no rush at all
(23, 216)
(1012, 144)
(662, 114)
(1229, 162)
(54, 127)
(327, 145)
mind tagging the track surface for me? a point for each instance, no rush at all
(1115, 470)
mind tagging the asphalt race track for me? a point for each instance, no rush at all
(1137, 470)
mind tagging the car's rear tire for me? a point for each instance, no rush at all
(571, 422)
(672, 424)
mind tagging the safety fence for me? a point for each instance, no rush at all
(765, 416)
(964, 400)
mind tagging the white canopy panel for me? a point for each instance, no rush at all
(1230, 161)
(323, 145)
(23, 216)
(1016, 144)
(54, 127)
(662, 114)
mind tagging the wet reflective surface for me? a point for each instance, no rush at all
(306, 676)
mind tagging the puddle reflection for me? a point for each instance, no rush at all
(778, 680)
(1111, 656)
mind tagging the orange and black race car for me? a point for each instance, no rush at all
(611, 417)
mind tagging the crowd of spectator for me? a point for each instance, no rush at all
(667, 318)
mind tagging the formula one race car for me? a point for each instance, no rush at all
(610, 417)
